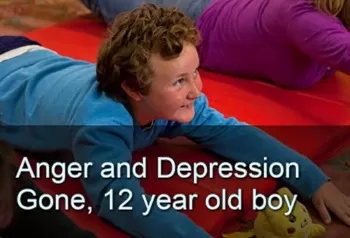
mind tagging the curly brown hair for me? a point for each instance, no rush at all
(134, 37)
(337, 8)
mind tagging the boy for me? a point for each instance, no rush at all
(145, 85)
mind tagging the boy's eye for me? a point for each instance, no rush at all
(179, 82)
(195, 74)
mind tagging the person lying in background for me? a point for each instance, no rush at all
(290, 43)
(16, 222)
(144, 86)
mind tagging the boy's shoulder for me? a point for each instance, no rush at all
(103, 111)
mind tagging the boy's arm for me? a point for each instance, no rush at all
(111, 144)
(6, 184)
(320, 36)
(237, 141)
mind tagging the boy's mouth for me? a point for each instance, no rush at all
(187, 105)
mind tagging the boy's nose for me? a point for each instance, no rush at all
(195, 91)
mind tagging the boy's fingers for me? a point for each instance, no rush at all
(323, 212)
(346, 215)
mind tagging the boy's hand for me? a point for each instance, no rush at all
(329, 197)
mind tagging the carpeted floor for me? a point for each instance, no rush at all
(19, 16)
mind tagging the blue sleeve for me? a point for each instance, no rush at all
(238, 141)
(111, 144)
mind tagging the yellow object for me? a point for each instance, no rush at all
(275, 224)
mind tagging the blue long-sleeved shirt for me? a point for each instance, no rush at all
(50, 102)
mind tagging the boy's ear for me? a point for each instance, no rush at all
(137, 96)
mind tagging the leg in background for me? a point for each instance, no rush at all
(109, 9)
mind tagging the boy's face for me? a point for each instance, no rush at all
(175, 86)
